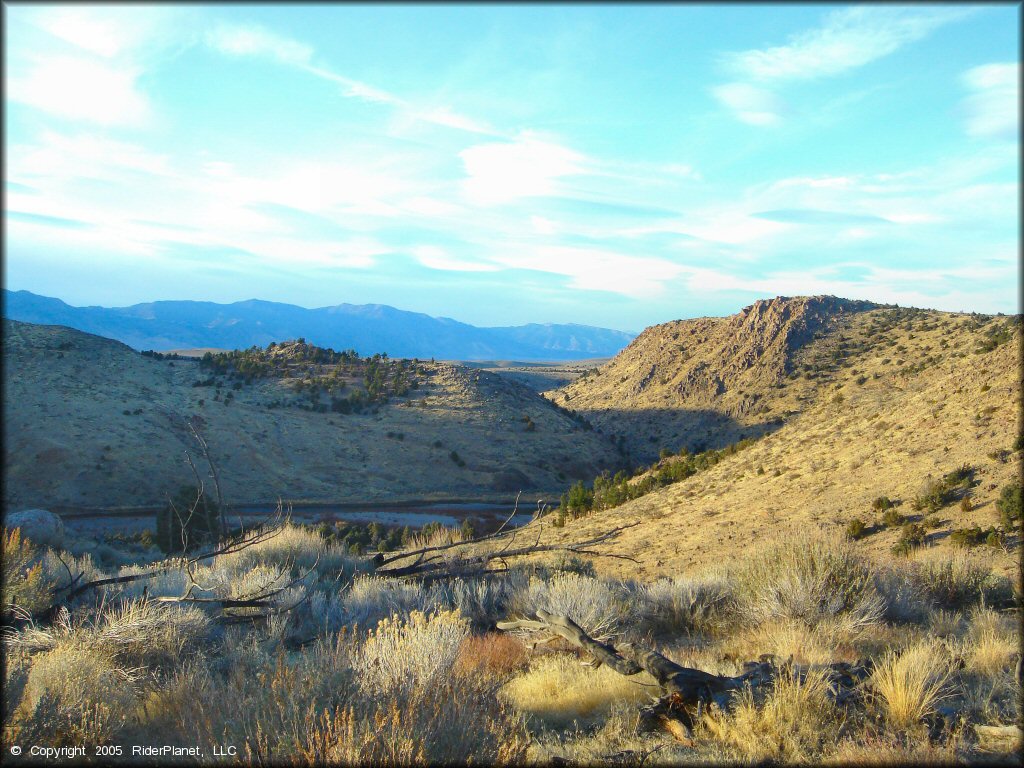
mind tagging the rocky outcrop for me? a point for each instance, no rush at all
(692, 372)
(40, 526)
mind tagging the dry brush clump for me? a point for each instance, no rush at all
(358, 668)
(793, 723)
(909, 683)
(811, 581)
(685, 605)
(600, 607)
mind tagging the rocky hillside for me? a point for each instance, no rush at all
(708, 382)
(855, 403)
(88, 422)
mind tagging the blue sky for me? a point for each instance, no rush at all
(610, 165)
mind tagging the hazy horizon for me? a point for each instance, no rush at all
(609, 166)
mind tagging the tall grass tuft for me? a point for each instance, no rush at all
(909, 683)
(796, 722)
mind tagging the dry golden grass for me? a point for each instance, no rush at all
(77, 692)
(824, 643)
(843, 461)
(873, 750)
(795, 723)
(991, 643)
(557, 690)
(909, 683)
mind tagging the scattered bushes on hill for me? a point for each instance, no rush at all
(912, 536)
(609, 491)
(974, 536)
(935, 494)
(1009, 505)
(995, 335)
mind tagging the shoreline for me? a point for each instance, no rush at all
(74, 512)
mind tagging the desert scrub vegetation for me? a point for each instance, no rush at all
(809, 581)
(312, 372)
(352, 667)
(937, 493)
(609, 491)
(908, 684)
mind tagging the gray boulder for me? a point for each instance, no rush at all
(40, 526)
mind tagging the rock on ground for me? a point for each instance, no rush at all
(39, 526)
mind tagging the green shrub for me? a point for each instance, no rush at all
(969, 537)
(912, 536)
(1009, 505)
(935, 494)
(881, 504)
(856, 529)
(892, 518)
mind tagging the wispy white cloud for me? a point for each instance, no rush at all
(254, 40)
(751, 104)
(849, 38)
(595, 269)
(529, 166)
(257, 41)
(85, 64)
(79, 89)
(438, 258)
(993, 106)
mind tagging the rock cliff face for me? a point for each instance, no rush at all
(857, 403)
(707, 381)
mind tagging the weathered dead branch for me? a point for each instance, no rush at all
(683, 688)
(428, 565)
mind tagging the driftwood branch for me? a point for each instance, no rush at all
(683, 688)
(565, 627)
(501, 532)
(472, 565)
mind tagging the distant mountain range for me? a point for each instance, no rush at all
(366, 328)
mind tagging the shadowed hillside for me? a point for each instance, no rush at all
(89, 422)
(863, 403)
(724, 378)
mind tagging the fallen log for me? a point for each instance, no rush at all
(563, 626)
(687, 691)
(682, 687)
